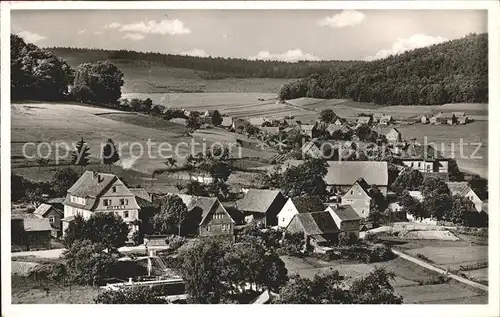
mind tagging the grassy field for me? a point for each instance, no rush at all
(25, 291)
(414, 283)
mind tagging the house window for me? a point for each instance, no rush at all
(125, 214)
(114, 189)
(52, 219)
(107, 202)
(283, 220)
(208, 228)
(123, 202)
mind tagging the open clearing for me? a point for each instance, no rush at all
(453, 257)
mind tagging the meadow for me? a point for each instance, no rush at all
(416, 284)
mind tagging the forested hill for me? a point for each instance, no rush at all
(454, 71)
(209, 67)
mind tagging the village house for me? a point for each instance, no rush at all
(100, 192)
(463, 189)
(319, 228)
(29, 232)
(226, 122)
(359, 198)
(257, 121)
(341, 175)
(339, 122)
(463, 120)
(424, 119)
(270, 130)
(364, 120)
(394, 136)
(308, 129)
(310, 149)
(180, 121)
(346, 218)
(437, 118)
(54, 215)
(207, 216)
(386, 120)
(426, 160)
(296, 205)
(261, 205)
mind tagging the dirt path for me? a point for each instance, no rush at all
(435, 269)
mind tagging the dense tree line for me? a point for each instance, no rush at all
(209, 67)
(454, 71)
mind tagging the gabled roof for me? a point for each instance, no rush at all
(345, 212)
(308, 204)
(364, 119)
(204, 203)
(141, 193)
(347, 172)
(89, 186)
(42, 210)
(258, 121)
(364, 185)
(392, 131)
(36, 224)
(458, 188)
(317, 223)
(257, 200)
(271, 129)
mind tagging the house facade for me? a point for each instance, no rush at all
(54, 215)
(394, 136)
(30, 233)
(463, 189)
(359, 198)
(310, 149)
(318, 228)
(346, 219)
(261, 206)
(100, 192)
(298, 205)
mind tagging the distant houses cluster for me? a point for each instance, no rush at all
(449, 118)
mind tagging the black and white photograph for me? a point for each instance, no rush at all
(249, 155)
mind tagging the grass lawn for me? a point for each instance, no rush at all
(27, 292)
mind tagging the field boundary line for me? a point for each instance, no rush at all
(435, 269)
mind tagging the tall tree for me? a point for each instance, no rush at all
(408, 179)
(306, 179)
(328, 116)
(103, 78)
(63, 180)
(106, 228)
(110, 154)
(81, 155)
(172, 214)
(216, 118)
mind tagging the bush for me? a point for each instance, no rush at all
(424, 258)
(175, 242)
(292, 244)
(347, 238)
(130, 295)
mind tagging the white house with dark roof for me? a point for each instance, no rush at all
(261, 205)
(463, 189)
(394, 136)
(100, 192)
(296, 205)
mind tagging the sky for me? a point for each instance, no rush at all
(288, 35)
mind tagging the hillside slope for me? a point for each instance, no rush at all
(454, 71)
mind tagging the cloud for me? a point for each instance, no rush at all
(288, 56)
(82, 31)
(172, 27)
(113, 25)
(406, 44)
(31, 37)
(195, 52)
(343, 19)
(133, 36)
